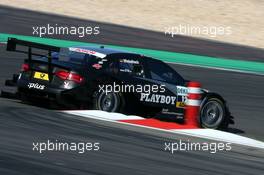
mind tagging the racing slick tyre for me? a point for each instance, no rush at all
(213, 114)
(110, 102)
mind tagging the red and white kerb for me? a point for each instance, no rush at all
(192, 108)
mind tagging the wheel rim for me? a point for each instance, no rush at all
(212, 114)
(108, 102)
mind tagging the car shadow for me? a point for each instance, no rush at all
(235, 130)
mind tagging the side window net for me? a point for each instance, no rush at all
(138, 71)
(131, 67)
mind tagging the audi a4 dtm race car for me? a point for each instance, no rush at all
(110, 80)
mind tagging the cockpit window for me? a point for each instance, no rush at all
(163, 72)
(132, 67)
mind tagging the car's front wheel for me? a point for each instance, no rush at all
(110, 102)
(213, 114)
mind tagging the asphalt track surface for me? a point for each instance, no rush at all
(123, 150)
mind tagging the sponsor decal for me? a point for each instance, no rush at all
(125, 70)
(180, 104)
(86, 51)
(97, 66)
(41, 75)
(181, 90)
(156, 98)
(129, 61)
(36, 86)
(66, 84)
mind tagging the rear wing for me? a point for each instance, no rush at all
(12, 44)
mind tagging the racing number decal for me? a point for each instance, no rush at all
(181, 96)
(181, 103)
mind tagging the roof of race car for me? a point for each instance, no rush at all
(97, 51)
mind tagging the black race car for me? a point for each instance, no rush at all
(109, 80)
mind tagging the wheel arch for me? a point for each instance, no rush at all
(208, 95)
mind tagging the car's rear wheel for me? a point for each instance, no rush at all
(110, 102)
(213, 114)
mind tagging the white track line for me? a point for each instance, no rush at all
(200, 133)
(103, 115)
(221, 136)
